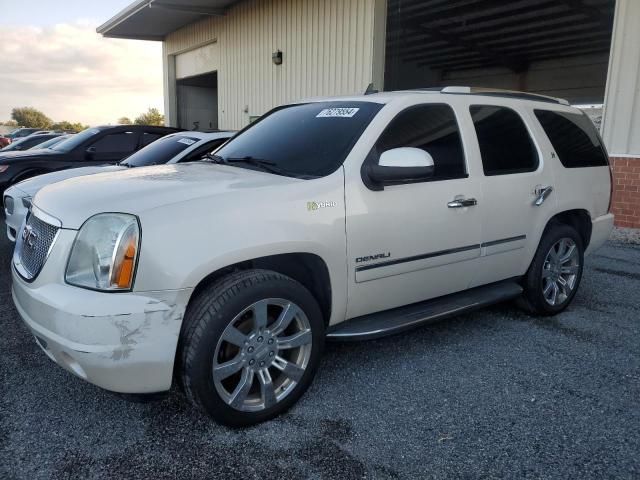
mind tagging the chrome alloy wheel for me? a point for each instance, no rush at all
(262, 355)
(560, 271)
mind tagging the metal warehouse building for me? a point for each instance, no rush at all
(227, 62)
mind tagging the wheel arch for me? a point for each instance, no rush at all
(579, 219)
(308, 269)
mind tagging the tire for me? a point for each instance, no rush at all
(226, 332)
(540, 297)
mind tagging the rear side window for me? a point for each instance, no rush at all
(574, 138)
(125, 142)
(432, 128)
(505, 144)
(148, 138)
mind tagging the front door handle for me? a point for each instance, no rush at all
(462, 203)
(541, 194)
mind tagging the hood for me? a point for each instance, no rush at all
(31, 186)
(9, 157)
(136, 190)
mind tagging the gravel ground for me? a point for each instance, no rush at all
(494, 394)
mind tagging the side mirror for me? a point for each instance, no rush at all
(402, 165)
(89, 152)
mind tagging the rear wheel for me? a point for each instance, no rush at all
(555, 273)
(251, 346)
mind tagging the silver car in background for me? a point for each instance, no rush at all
(174, 148)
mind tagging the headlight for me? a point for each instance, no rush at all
(103, 256)
(26, 202)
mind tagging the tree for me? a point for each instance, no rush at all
(125, 121)
(151, 117)
(68, 126)
(10, 123)
(31, 118)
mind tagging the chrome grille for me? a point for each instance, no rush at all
(33, 245)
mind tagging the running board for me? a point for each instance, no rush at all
(390, 322)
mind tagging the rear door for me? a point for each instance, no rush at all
(517, 186)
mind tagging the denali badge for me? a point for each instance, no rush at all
(369, 258)
(29, 237)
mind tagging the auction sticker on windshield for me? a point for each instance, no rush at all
(338, 112)
(187, 141)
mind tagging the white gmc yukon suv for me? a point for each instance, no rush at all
(340, 218)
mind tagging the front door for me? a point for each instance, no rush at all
(415, 241)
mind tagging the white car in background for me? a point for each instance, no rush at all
(174, 148)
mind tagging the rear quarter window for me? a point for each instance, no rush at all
(574, 138)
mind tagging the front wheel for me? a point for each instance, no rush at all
(251, 346)
(554, 275)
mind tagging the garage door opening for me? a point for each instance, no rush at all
(198, 102)
(558, 48)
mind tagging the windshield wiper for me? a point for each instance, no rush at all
(264, 165)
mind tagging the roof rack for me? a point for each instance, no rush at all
(496, 92)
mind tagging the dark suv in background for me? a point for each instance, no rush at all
(93, 146)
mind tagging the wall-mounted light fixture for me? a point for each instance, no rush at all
(277, 57)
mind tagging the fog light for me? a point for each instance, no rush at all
(8, 205)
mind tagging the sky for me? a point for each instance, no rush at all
(52, 59)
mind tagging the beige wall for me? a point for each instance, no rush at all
(328, 48)
(621, 122)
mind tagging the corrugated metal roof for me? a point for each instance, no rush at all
(155, 19)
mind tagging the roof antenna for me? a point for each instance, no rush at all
(370, 90)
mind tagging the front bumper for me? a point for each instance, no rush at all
(121, 342)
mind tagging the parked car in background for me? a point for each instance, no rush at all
(93, 146)
(343, 218)
(52, 142)
(29, 142)
(174, 148)
(21, 133)
(4, 141)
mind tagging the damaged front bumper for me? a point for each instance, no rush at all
(122, 342)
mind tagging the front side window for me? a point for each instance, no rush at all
(574, 138)
(505, 144)
(160, 151)
(307, 140)
(432, 128)
(124, 142)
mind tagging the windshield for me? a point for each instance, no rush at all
(306, 141)
(160, 151)
(75, 140)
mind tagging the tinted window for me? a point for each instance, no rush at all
(208, 147)
(505, 144)
(574, 138)
(306, 140)
(124, 142)
(76, 140)
(148, 138)
(432, 128)
(160, 152)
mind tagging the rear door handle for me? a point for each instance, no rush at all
(462, 203)
(541, 194)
